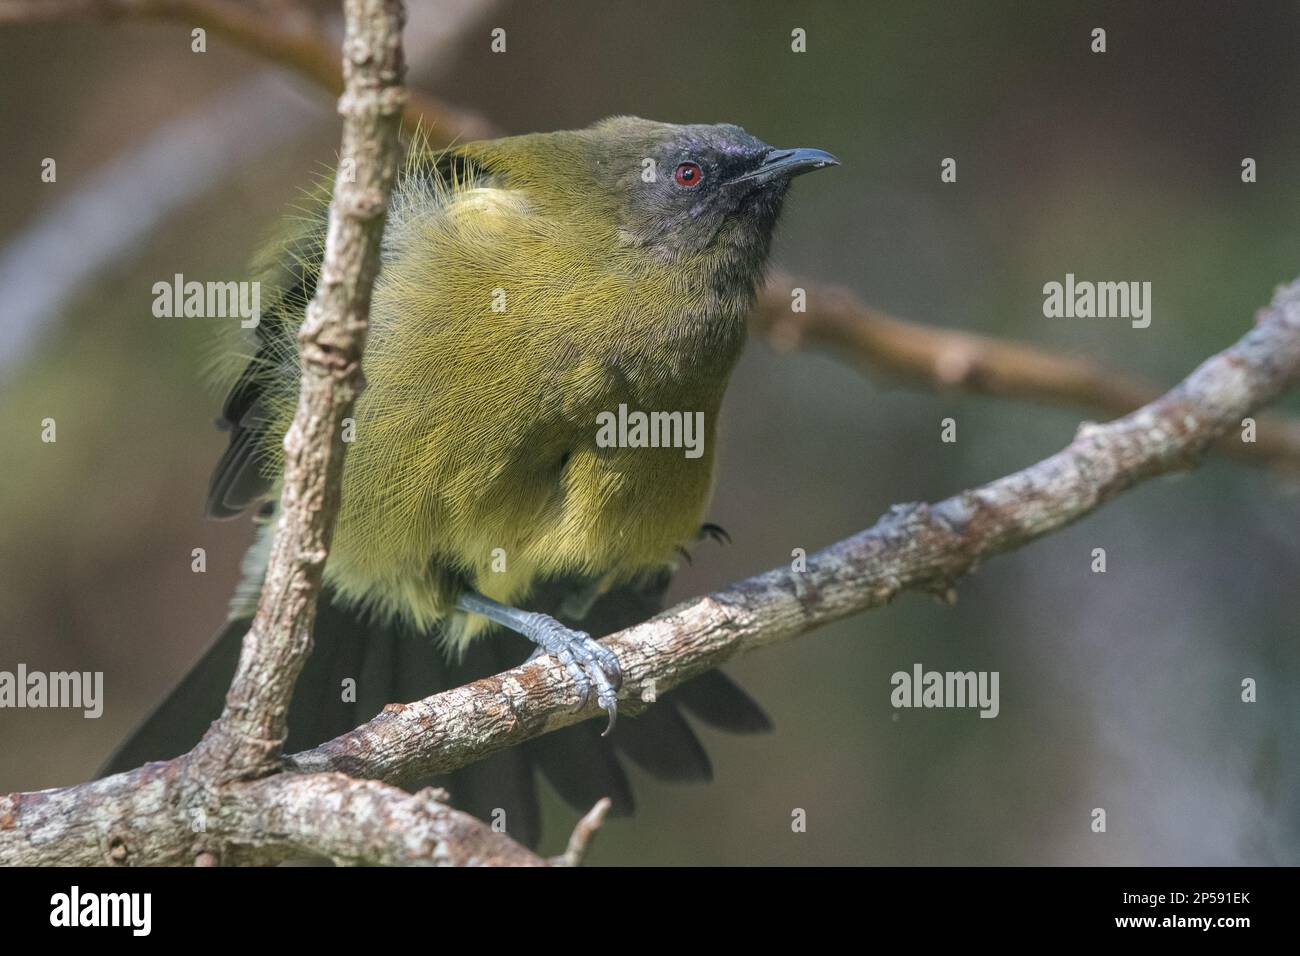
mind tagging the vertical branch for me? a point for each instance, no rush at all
(249, 735)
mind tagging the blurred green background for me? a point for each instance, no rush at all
(1119, 690)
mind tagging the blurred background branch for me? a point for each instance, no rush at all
(298, 36)
(948, 360)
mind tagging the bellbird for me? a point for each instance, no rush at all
(530, 285)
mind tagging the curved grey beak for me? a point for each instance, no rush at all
(786, 164)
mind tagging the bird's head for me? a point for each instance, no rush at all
(675, 190)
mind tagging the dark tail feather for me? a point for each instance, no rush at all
(501, 788)
(358, 666)
(718, 701)
(582, 768)
(335, 693)
(323, 707)
(179, 721)
(659, 741)
(502, 785)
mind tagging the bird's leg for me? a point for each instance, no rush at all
(589, 663)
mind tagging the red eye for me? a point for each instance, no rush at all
(688, 175)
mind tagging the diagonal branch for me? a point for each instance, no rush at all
(914, 547)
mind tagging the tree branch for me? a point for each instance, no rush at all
(248, 736)
(913, 547)
(367, 822)
(583, 834)
(161, 815)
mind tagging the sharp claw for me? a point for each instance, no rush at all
(716, 532)
(612, 710)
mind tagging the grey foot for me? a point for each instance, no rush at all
(592, 665)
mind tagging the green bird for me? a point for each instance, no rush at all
(533, 289)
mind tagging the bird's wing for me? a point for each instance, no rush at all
(243, 475)
(288, 270)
